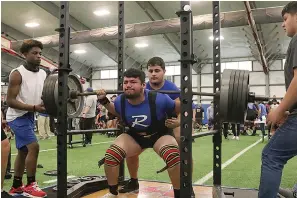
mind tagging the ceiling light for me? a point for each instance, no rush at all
(211, 38)
(32, 25)
(141, 45)
(101, 12)
(79, 51)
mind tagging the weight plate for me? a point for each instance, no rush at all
(230, 96)
(239, 115)
(50, 96)
(224, 93)
(51, 173)
(236, 86)
(245, 92)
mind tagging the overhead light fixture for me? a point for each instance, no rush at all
(32, 25)
(79, 51)
(211, 38)
(101, 12)
(141, 45)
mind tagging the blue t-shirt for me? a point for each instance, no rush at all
(168, 86)
(139, 116)
(263, 110)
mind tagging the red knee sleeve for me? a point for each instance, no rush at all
(170, 154)
(114, 155)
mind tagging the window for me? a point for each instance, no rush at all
(107, 74)
(232, 65)
(223, 66)
(172, 70)
(245, 65)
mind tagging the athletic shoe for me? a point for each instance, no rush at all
(237, 138)
(8, 175)
(32, 190)
(16, 191)
(129, 187)
(4, 194)
(233, 138)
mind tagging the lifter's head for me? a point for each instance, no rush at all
(31, 49)
(134, 83)
(289, 14)
(156, 70)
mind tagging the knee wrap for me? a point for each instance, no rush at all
(170, 154)
(114, 155)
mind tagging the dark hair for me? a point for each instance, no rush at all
(290, 8)
(156, 61)
(29, 44)
(135, 73)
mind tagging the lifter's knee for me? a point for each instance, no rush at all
(114, 156)
(170, 154)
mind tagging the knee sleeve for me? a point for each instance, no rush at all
(170, 154)
(114, 155)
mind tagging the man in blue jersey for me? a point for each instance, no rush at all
(144, 112)
(157, 81)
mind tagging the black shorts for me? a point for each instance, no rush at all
(198, 121)
(3, 135)
(87, 123)
(103, 118)
(148, 142)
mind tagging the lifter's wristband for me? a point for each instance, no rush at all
(104, 101)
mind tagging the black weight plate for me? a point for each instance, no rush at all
(74, 181)
(236, 87)
(224, 93)
(230, 96)
(245, 92)
(51, 173)
(240, 112)
(85, 178)
(48, 94)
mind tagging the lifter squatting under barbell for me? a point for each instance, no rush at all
(234, 95)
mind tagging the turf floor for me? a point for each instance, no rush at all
(244, 172)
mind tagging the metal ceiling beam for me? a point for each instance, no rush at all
(53, 55)
(172, 38)
(256, 37)
(104, 46)
(201, 22)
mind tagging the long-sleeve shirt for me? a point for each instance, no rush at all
(210, 112)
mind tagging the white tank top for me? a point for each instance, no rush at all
(30, 91)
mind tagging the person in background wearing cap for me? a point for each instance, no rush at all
(88, 115)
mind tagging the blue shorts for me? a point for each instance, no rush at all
(23, 128)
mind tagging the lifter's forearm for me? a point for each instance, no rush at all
(110, 108)
(13, 103)
(290, 97)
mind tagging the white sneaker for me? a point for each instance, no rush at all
(233, 138)
(109, 195)
(237, 138)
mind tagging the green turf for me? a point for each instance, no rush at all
(82, 161)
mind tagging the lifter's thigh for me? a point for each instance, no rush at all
(128, 144)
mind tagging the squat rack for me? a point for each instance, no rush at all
(187, 59)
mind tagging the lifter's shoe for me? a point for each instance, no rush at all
(131, 186)
(16, 191)
(32, 190)
(5, 194)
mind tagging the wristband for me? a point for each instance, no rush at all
(104, 101)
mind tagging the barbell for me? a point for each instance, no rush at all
(234, 95)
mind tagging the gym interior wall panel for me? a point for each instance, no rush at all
(86, 85)
(276, 77)
(96, 75)
(276, 65)
(258, 90)
(195, 96)
(194, 80)
(4, 89)
(206, 80)
(206, 101)
(257, 66)
(257, 78)
(278, 91)
(108, 84)
(207, 90)
(207, 69)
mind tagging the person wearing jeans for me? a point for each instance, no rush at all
(283, 144)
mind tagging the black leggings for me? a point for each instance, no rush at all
(225, 129)
(234, 131)
(85, 124)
